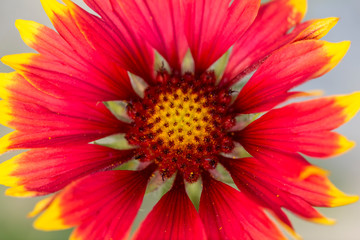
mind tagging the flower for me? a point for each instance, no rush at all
(150, 93)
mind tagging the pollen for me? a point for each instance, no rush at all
(181, 124)
(182, 119)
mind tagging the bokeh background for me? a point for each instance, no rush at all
(345, 169)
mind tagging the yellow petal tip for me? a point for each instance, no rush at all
(326, 23)
(40, 207)
(21, 23)
(75, 237)
(350, 104)
(28, 30)
(291, 231)
(300, 6)
(312, 170)
(20, 191)
(4, 59)
(344, 145)
(7, 168)
(342, 199)
(8, 59)
(6, 81)
(5, 143)
(51, 219)
(15, 60)
(338, 198)
(323, 220)
(336, 51)
(6, 113)
(312, 93)
(317, 28)
(51, 7)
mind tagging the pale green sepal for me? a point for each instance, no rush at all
(118, 108)
(160, 63)
(138, 84)
(188, 64)
(159, 186)
(238, 152)
(116, 141)
(221, 174)
(194, 192)
(220, 65)
(129, 165)
(244, 120)
(238, 85)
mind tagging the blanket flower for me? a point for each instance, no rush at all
(144, 94)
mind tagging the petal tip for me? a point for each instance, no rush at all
(27, 29)
(328, 23)
(336, 51)
(6, 113)
(312, 170)
(40, 207)
(20, 61)
(300, 6)
(291, 231)
(333, 52)
(6, 81)
(51, 219)
(332, 20)
(339, 198)
(21, 23)
(50, 6)
(6, 170)
(323, 221)
(318, 28)
(350, 103)
(74, 236)
(312, 93)
(344, 145)
(5, 143)
(342, 199)
(4, 59)
(20, 191)
(16, 59)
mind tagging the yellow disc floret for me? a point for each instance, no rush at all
(182, 118)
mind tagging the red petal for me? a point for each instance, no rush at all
(265, 35)
(212, 26)
(63, 79)
(228, 214)
(13, 86)
(173, 217)
(45, 40)
(302, 127)
(274, 188)
(100, 35)
(162, 28)
(285, 69)
(102, 205)
(67, 123)
(48, 170)
(74, 48)
(134, 53)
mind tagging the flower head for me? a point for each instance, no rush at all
(146, 94)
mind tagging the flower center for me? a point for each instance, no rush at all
(181, 124)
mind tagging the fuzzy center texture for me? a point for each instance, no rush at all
(181, 125)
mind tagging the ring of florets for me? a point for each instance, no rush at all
(182, 124)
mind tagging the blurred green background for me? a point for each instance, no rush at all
(343, 79)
